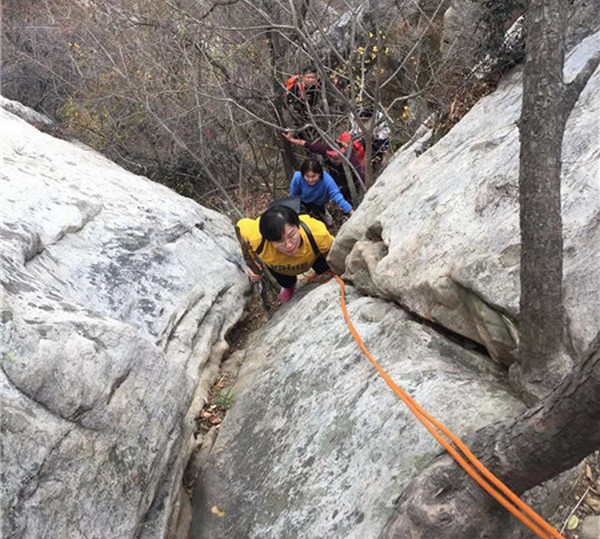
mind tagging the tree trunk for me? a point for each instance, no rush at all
(542, 125)
(543, 442)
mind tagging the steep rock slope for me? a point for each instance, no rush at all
(117, 294)
(315, 444)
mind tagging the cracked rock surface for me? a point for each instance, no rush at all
(316, 444)
(117, 294)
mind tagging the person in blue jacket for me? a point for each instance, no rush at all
(316, 187)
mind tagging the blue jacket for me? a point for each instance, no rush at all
(320, 193)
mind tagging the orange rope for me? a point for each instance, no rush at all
(488, 481)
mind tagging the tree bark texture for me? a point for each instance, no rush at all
(543, 442)
(543, 119)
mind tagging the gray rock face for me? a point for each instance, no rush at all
(583, 21)
(590, 528)
(23, 112)
(462, 29)
(316, 444)
(438, 233)
(117, 294)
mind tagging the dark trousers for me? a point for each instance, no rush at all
(287, 281)
(316, 211)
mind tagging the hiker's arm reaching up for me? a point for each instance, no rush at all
(313, 147)
(290, 138)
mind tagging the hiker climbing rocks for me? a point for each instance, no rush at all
(380, 133)
(345, 140)
(333, 159)
(288, 244)
(315, 187)
(302, 98)
(303, 90)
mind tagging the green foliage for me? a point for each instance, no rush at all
(223, 399)
(366, 63)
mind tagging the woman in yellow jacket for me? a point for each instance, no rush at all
(288, 244)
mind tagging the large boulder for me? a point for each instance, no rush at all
(117, 295)
(439, 231)
(315, 444)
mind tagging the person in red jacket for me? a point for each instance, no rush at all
(333, 160)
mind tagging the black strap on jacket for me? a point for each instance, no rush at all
(311, 239)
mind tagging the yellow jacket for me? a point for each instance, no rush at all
(282, 263)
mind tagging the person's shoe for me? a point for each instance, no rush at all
(286, 294)
(327, 219)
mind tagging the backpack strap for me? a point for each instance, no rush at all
(260, 248)
(309, 235)
(311, 238)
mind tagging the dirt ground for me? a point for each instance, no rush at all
(581, 500)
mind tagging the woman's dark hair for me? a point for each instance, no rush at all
(309, 69)
(311, 165)
(273, 221)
